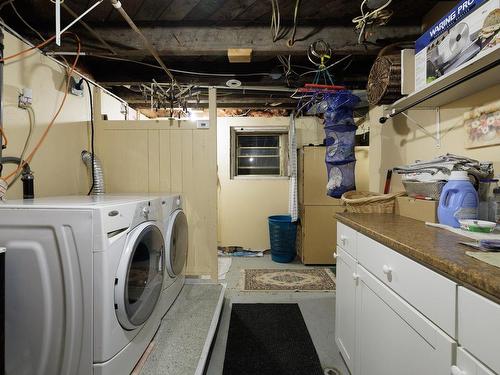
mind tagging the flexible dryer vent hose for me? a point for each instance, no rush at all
(98, 172)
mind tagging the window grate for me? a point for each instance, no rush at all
(259, 153)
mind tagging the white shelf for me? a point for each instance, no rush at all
(480, 82)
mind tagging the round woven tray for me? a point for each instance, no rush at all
(368, 202)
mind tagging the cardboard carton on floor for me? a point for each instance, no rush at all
(417, 209)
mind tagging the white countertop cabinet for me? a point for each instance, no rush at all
(394, 316)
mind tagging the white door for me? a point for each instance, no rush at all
(393, 338)
(345, 306)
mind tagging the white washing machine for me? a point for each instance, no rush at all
(175, 229)
(84, 279)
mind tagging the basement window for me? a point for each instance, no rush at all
(261, 153)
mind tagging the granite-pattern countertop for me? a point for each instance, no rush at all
(435, 248)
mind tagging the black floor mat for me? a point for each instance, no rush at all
(269, 339)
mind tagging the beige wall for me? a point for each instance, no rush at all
(57, 166)
(168, 156)
(399, 141)
(245, 204)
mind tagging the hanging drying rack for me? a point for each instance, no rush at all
(314, 87)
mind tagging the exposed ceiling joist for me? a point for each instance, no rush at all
(214, 41)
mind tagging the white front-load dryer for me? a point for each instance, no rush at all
(84, 279)
(176, 235)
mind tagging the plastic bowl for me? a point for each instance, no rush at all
(477, 226)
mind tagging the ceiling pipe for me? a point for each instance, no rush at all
(118, 6)
(89, 29)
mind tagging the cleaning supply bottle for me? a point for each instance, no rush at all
(494, 206)
(459, 200)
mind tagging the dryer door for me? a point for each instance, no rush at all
(177, 243)
(139, 279)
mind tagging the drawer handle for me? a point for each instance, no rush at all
(386, 269)
(343, 239)
(335, 255)
(355, 276)
(456, 371)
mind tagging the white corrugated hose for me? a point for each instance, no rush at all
(293, 204)
(3, 189)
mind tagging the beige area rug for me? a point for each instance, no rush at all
(311, 280)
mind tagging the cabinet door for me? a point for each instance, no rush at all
(479, 327)
(468, 365)
(345, 306)
(392, 337)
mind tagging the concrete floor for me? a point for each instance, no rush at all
(318, 310)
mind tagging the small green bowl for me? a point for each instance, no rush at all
(480, 226)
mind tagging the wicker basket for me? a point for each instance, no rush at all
(367, 202)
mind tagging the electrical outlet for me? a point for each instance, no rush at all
(203, 124)
(25, 98)
(76, 86)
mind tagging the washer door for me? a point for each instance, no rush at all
(177, 243)
(139, 279)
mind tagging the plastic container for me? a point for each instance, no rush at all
(459, 200)
(486, 194)
(494, 206)
(282, 234)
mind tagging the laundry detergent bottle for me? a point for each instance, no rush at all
(459, 200)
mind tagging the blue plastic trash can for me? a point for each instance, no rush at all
(282, 234)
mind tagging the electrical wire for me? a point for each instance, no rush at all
(5, 3)
(275, 20)
(178, 70)
(20, 53)
(4, 136)
(327, 67)
(63, 101)
(379, 17)
(24, 21)
(32, 122)
(292, 40)
(92, 136)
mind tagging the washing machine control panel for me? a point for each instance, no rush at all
(147, 211)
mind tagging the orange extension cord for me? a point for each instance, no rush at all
(54, 118)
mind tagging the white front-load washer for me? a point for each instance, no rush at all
(175, 229)
(84, 279)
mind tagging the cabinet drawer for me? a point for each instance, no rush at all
(346, 239)
(468, 365)
(430, 293)
(479, 327)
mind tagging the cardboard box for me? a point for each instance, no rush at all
(470, 30)
(317, 234)
(417, 209)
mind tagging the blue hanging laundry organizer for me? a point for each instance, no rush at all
(340, 133)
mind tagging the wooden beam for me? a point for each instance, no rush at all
(214, 41)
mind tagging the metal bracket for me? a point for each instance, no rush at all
(437, 136)
(59, 32)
